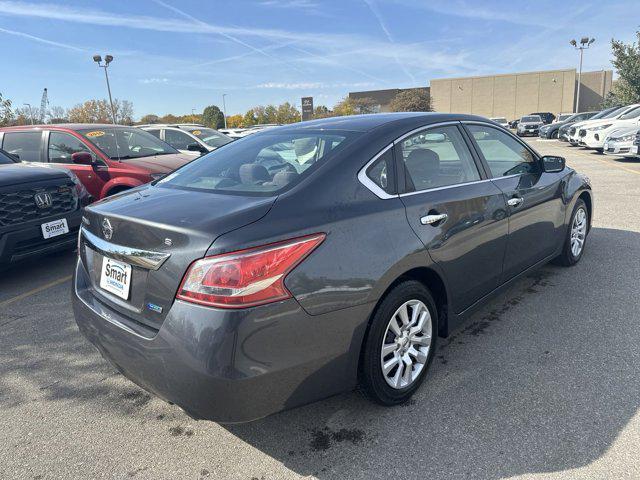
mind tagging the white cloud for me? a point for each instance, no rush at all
(313, 85)
(42, 40)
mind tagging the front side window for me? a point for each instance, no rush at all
(635, 113)
(62, 146)
(23, 145)
(210, 136)
(259, 164)
(178, 139)
(504, 154)
(122, 143)
(436, 158)
(155, 132)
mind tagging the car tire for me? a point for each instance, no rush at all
(578, 227)
(375, 383)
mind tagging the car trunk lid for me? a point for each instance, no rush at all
(159, 232)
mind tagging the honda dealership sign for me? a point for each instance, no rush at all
(307, 108)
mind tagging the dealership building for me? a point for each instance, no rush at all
(511, 95)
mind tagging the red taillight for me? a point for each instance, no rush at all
(246, 278)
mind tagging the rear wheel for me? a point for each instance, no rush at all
(554, 135)
(400, 344)
(576, 236)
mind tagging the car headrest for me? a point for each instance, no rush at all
(283, 178)
(252, 173)
(423, 160)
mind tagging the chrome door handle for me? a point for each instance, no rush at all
(515, 201)
(431, 219)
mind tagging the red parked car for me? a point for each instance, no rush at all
(106, 158)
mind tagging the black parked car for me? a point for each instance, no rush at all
(553, 129)
(547, 117)
(40, 209)
(304, 260)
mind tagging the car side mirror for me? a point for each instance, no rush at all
(82, 158)
(553, 164)
(196, 147)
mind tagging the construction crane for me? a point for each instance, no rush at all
(44, 105)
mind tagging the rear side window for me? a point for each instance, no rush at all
(504, 154)
(62, 146)
(436, 158)
(179, 140)
(261, 164)
(155, 132)
(24, 145)
(381, 172)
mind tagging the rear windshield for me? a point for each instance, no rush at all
(531, 118)
(122, 143)
(209, 136)
(259, 164)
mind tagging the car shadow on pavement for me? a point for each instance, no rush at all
(541, 380)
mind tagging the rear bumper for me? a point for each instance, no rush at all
(20, 242)
(228, 366)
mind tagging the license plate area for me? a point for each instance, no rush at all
(115, 277)
(55, 228)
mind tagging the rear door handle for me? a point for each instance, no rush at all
(515, 201)
(432, 219)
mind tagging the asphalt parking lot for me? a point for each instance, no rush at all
(542, 383)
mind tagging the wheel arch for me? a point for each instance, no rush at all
(585, 196)
(118, 185)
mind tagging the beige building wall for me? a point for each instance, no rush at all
(518, 94)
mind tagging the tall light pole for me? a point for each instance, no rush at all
(30, 111)
(224, 110)
(107, 60)
(585, 42)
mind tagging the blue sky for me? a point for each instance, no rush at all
(175, 55)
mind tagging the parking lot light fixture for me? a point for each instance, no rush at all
(30, 111)
(224, 110)
(585, 42)
(107, 60)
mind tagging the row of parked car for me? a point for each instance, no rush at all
(613, 131)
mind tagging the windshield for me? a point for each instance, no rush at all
(566, 116)
(259, 164)
(531, 118)
(210, 136)
(122, 143)
(5, 158)
(631, 114)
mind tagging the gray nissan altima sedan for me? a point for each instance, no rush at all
(309, 259)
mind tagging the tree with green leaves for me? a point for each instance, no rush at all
(213, 117)
(626, 61)
(6, 114)
(411, 100)
(287, 113)
(149, 119)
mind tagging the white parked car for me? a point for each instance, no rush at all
(575, 138)
(620, 141)
(562, 117)
(189, 138)
(529, 125)
(500, 121)
(593, 135)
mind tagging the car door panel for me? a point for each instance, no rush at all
(469, 245)
(440, 176)
(533, 197)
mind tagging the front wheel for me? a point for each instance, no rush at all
(576, 236)
(400, 344)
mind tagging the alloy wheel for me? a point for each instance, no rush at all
(578, 231)
(406, 344)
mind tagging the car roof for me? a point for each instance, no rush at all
(365, 123)
(65, 126)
